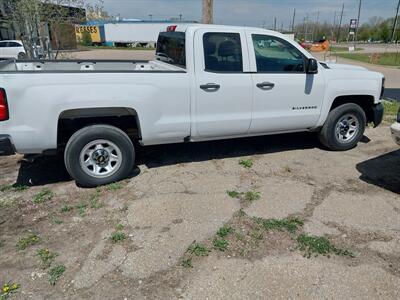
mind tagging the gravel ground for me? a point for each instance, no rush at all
(177, 199)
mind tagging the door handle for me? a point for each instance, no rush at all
(210, 87)
(266, 85)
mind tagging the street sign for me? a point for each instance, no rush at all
(353, 23)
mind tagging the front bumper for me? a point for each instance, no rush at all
(395, 129)
(6, 147)
(377, 114)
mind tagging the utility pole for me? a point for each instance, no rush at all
(275, 24)
(151, 17)
(395, 22)
(340, 24)
(180, 17)
(358, 19)
(294, 17)
(208, 11)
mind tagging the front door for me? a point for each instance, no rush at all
(223, 88)
(285, 97)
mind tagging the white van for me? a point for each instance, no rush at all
(12, 49)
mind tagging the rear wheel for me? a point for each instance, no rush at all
(344, 127)
(98, 155)
(21, 55)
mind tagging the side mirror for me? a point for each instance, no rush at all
(312, 66)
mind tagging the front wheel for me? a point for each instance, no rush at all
(98, 155)
(344, 127)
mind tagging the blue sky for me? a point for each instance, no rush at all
(251, 12)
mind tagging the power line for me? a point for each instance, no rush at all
(358, 19)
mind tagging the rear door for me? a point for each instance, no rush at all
(223, 87)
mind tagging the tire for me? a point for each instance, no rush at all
(98, 155)
(21, 55)
(344, 127)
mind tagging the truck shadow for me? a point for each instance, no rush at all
(382, 171)
(44, 170)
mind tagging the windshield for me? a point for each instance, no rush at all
(171, 48)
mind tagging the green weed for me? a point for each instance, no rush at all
(81, 208)
(314, 245)
(43, 196)
(290, 225)
(46, 257)
(117, 237)
(114, 186)
(187, 262)
(55, 274)
(220, 244)
(246, 163)
(224, 231)
(66, 208)
(252, 196)
(7, 289)
(233, 194)
(198, 249)
(29, 240)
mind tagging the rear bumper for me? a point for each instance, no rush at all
(377, 115)
(6, 146)
(395, 130)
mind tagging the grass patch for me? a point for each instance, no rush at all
(249, 196)
(81, 208)
(290, 225)
(246, 163)
(252, 196)
(391, 108)
(342, 49)
(94, 201)
(187, 263)
(114, 186)
(7, 289)
(385, 59)
(119, 227)
(43, 196)
(16, 188)
(314, 245)
(233, 194)
(46, 257)
(220, 244)
(2, 243)
(29, 240)
(198, 249)
(55, 274)
(66, 209)
(224, 231)
(117, 237)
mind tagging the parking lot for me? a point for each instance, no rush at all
(154, 235)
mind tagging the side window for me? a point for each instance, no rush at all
(3, 44)
(222, 52)
(13, 44)
(276, 55)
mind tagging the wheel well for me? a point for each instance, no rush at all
(366, 102)
(70, 121)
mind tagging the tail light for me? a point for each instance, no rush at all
(172, 28)
(3, 106)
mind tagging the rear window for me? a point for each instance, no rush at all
(171, 48)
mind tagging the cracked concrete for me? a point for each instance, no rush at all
(165, 226)
(289, 277)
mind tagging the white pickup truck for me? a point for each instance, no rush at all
(208, 82)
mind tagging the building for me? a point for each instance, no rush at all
(125, 33)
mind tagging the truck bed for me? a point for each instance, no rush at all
(72, 66)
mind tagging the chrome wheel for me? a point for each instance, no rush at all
(100, 158)
(347, 128)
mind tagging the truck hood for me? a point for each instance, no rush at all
(336, 66)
